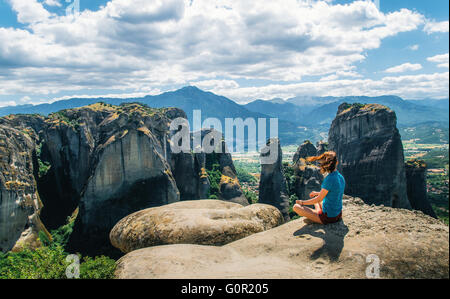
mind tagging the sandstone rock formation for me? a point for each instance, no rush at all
(322, 147)
(272, 184)
(20, 205)
(205, 222)
(416, 178)
(404, 244)
(107, 160)
(370, 152)
(191, 169)
(307, 149)
(307, 178)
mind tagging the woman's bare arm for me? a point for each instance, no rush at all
(319, 198)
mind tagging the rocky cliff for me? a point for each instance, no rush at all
(20, 205)
(416, 178)
(370, 242)
(307, 149)
(307, 178)
(322, 147)
(107, 161)
(191, 169)
(272, 184)
(370, 152)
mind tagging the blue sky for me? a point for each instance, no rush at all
(259, 49)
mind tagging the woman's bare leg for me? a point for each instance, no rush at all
(311, 214)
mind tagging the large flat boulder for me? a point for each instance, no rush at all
(403, 243)
(204, 222)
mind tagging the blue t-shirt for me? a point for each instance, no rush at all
(335, 184)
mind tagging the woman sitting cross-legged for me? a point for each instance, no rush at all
(328, 202)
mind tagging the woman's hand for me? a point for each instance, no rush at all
(313, 194)
(299, 202)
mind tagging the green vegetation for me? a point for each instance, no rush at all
(65, 118)
(292, 200)
(50, 261)
(250, 195)
(42, 263)
(347, 106)
(214, 175)
(290, 178)
(426, 133)
(101, 267)
(436, 158)
(438, 194)
(415, 163)
(44, 167)
(250, 167)
(244, 176)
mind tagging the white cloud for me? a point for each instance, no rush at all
(406, 67)
(29, 11)
(414, 47)
(208, 84)
(25, 99)
(52, 3)
(442, 60)
(130, 45)
(408, 87)
(7, 103)
(435, 27)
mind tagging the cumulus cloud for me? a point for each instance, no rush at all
(29, 11)
(52, 3)
(441, 60)
(406, 67)
(409, 87)
(130, 45)
(435, 27)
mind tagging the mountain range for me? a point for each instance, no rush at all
(300, 118)
(315, 111)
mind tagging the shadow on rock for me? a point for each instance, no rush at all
(333, 236)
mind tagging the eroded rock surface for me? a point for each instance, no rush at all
(20, 205)
(405, 244)
(109, 161)
(322, 147)
(272, 184)
(307, 178)
(307, 149)
(205, 222)
(370, 153)
(416, 177)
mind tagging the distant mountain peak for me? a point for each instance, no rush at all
(277, 101)
(190, 89)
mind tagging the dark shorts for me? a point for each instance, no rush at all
(328, 220)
